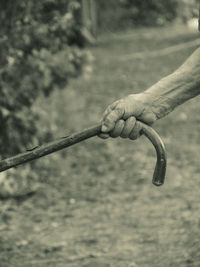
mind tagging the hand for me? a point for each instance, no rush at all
(119, 119)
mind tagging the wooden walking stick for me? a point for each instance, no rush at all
(43, 150)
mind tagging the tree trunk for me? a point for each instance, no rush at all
(89, 16)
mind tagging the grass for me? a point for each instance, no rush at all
(97, 206)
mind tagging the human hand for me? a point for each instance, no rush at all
(120, 118)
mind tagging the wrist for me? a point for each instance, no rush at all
(153, 105)
(176, 88)
(160, 105)
(143, 106)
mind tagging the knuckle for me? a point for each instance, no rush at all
(118, 110)
(130, 123)
(131, 119)
(106, 112)
(120, 105)
(108, 120)
(115, 115)
(120, 123)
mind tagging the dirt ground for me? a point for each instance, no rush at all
(96, 205)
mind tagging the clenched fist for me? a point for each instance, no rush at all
(120, 118)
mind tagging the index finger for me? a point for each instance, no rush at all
(112, 117)
(109, 109)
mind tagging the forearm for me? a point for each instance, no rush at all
(176, 88)
(120, 117)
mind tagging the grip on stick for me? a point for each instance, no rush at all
(43, 150)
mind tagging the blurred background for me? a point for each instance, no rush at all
(93, 204)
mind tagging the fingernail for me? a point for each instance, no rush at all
(104, 128)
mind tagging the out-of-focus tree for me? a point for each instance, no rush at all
(188, 9)
(120, 14)
(40, 45)
(89, 16)
(151, 12)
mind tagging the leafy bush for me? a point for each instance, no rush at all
(40, 51)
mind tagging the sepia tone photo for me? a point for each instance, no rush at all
(100, 133)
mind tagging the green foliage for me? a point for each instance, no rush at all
(40, 51)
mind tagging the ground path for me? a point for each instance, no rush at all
(97, 206)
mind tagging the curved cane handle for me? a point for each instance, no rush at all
(161, 163)
(43, 150)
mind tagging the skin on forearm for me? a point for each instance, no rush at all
(176, 88)
(120, 117)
